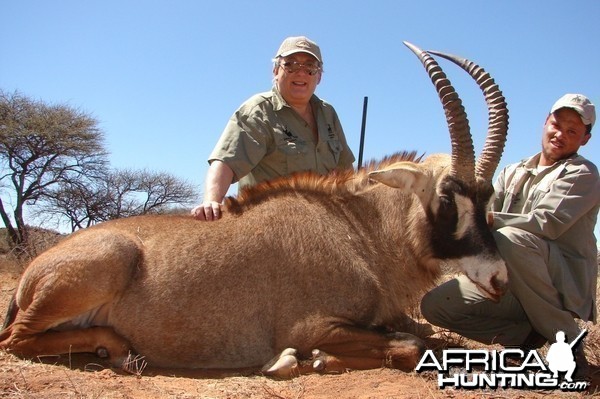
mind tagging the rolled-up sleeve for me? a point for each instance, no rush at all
(244, 141)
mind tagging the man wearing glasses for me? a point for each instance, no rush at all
(276, 133)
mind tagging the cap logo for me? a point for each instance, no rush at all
(578, 99)
(302, 44)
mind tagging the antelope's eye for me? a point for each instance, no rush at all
(446, 200)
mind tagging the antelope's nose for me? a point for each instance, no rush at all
(499, 284)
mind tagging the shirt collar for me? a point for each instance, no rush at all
(532, 163)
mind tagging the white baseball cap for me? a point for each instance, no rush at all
(299, 44)
(579, 103)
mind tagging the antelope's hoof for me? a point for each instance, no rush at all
(319, 360)
(284, 365)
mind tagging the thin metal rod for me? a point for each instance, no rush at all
(362, 132)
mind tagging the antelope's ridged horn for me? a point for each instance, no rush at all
(497, 116)
(463, 154)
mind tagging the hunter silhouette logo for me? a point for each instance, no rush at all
(560, 355)
(509, 368)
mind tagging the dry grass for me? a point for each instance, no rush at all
(39, 240)
(135, 364)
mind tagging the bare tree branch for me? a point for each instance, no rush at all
(118, 194)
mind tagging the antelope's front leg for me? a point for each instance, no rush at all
(351, 348)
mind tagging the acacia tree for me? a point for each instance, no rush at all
(118, 194)
(143, 192)
(41, 147)
(81, 205)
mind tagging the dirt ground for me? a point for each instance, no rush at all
(86, 376)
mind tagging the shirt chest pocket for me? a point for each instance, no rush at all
(292, 155)
(541, 190)
(293, 148)
(538, 194)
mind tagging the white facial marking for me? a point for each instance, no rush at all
(466, 211)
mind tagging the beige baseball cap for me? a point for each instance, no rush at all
(299, 44)
(579, 103)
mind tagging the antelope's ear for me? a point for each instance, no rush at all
(405, 176)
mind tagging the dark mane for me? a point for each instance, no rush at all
(336, 184)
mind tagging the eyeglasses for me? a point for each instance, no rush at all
(295, 66)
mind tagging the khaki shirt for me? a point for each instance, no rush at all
(561, 206)
(265, 138)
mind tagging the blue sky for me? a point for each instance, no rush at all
(163, 77)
